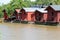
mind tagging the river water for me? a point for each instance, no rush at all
(17, 31)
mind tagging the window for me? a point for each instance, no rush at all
(52, 14)
(52, 19)
(59, 19)
(38, 18)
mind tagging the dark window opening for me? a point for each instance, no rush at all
(38, 18)
(52, 14)
(59, 19)
(52, 19)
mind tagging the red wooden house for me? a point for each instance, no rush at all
(23, 15)
(18, 14)
(5, 15)
(53, 13)
(49, 14)
(28, 14)
(41, 15)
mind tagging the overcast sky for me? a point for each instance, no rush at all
(4, 1)
(7, 1)
(32, 0)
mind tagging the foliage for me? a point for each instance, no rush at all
(26, 3)
(12, 5)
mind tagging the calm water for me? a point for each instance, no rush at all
(15, 31)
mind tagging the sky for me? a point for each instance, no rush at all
(4, 2)
(7, 1)
(32, 0)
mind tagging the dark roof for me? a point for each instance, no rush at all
(55, 7)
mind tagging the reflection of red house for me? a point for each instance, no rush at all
(53, 13)
(29, 13)
(41, 15)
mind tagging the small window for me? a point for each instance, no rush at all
(52, 14)
(52, 19)
(59, 19)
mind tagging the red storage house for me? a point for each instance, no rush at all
(18, 14)
(53, 13)
(41, 15)
(5, 15)
(29, 14)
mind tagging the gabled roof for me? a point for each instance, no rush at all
(42, 10)
(34, 9)
(55, 7)
(30, 9)
(18, 10)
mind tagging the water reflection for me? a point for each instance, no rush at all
(15, 31)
